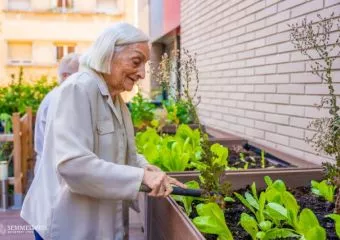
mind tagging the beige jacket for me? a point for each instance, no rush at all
(89, 164)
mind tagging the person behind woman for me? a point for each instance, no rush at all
(93, 167)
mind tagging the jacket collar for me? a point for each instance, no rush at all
(102, 86)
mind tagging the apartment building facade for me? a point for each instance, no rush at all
(36, 34)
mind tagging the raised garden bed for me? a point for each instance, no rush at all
(166, 220)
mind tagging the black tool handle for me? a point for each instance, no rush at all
(177, 191)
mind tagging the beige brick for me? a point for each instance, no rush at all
(237, 112)
(279, 17)
(283, 5)
(245, 105)
(300, 144)
(255, 44)
(229, 88)
(245, 122)
(255, 97)
(267, 50)
(249, 71)
(313, 112)
(331, 2)
(278, 58)
(308, 7)
(290, 151)
(265, 107)
(277, 138)
(277, 78)
(265, 32)
(291, 67)
(305, 77)
(321, 89)
(268, 69)
(238, 48)
(291, 110)
(299, 122)
(276, 118)
(285, 47)
(271, 2)
(246, 20)
(230, 118)
(290, 88)
(266, 12)
(277, 98)
(254, 115)
(304, 100)
(254, 79)
(216, 115)
(245, 54)
(268, 127)
(255, 132)
(229, 103)
(290, 131)
(238, 31)
(245, 88)
(237, 128)
(297, 56)
(265, 88)
(254, 61)
(256, 7)
(277, 38)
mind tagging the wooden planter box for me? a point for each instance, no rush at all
(165, 220)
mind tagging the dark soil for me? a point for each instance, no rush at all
(305, 199)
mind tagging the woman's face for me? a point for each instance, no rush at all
(128, 66)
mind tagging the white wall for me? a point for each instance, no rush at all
(253, 82)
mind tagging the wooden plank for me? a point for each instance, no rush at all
(6, 137)
(17, 153)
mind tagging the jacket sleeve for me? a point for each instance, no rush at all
(76, 163)
(141, 161)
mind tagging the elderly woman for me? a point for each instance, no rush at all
(90, 166)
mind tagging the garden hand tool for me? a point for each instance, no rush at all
(177, 191)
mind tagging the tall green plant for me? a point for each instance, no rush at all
(142, 111)
(314, 41)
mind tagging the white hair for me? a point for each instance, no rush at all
(100, 54)
(68, 64)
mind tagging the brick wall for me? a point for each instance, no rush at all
(253, 82)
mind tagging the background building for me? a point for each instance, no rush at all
(252, 81)
(35, 34)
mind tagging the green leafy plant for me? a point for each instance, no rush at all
(178, 112)
(211, 220)
(263, 160)
(336, 218)
(324, 189)
(142, 111)
(315, 41)
(19, 95)
(6, 121)
(186, 200)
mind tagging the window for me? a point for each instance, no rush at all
(20, 53)
(107, 5)
(19, 4)
(63, 50)
(64, 3)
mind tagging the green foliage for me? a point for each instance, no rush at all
(274, 211)
(336, 218)
(211, 220)
(178, 112)
(142, 111)
(19, 95)
(6, 151)
(324, 189)
(6, 121)
(187, 201)
(170, 153)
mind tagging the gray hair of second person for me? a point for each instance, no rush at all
(100, 54)
(68, 65)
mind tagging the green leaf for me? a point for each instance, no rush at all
(336, 218)
(249, 224)
(265, 225)
(268, 181)
(318, 233)
(277, 211)
(254, 191)
(229, 199)
(251, 200)
(187, 201)
(211, 220)
(277, 233)
(244, 202)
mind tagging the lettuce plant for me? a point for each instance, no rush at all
(323, 189)
(336, 218)
(211, 220)
(186, 200)
(142, 111)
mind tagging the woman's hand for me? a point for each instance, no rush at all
(152, 168)
(160, 183)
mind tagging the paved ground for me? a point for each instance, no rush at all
(12, 227)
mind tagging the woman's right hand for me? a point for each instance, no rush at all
(160, 183)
